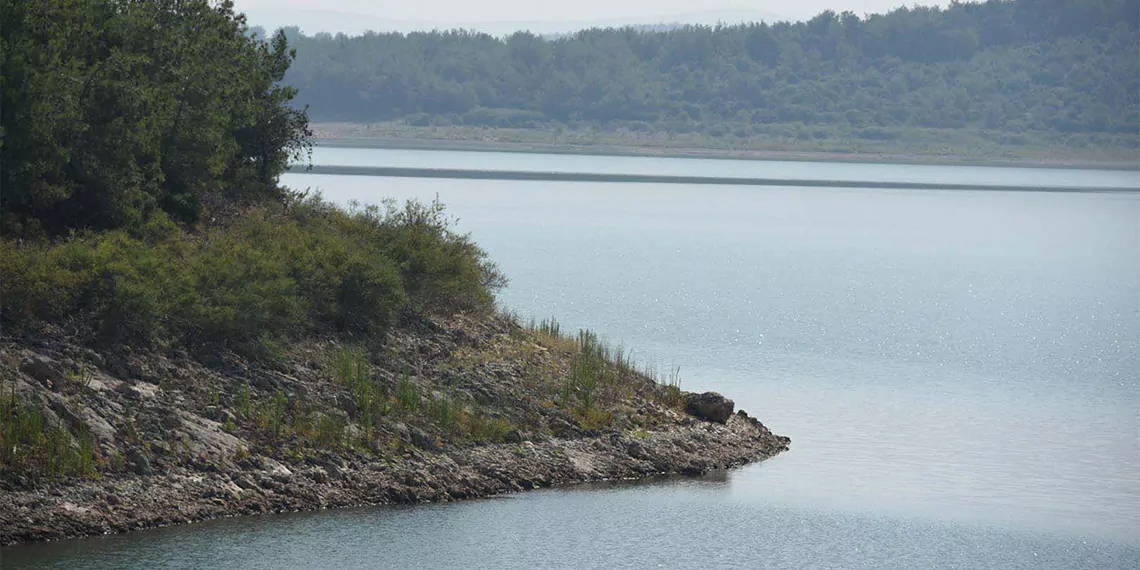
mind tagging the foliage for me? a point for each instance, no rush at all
(482, 428)
(115, 111)
(407, 394)
(267, 276)
(370, 397)
(31, 443)
(1028, 68)
(599, 374)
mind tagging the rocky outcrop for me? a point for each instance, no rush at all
(183, 438)
(709, 406)
(124, 502)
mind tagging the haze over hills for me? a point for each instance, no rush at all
(1019, 72)
(312, 22)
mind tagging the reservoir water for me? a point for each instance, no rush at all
(958, 372)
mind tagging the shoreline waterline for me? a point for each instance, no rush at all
(712, 153)
(559, 176)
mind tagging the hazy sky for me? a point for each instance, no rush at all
(568, 10)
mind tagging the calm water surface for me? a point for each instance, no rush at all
(957, 371)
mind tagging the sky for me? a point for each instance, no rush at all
(467, 11)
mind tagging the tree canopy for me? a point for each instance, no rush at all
(1055, 66)
(139, 196)
(115, 110)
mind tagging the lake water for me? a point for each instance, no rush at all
(958, 373)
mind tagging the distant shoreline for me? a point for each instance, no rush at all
(458, 142)
(550, 176)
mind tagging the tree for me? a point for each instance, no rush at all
(116, 110)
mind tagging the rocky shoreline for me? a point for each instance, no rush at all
(176, 447)
(122, 503)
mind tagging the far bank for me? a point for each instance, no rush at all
(950, 149)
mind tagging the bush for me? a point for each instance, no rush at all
(265, 277)
(441, 270)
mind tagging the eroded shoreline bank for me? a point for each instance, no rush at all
(128, 502)
(181, 439)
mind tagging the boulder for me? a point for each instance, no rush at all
(139, 462)
(709, 406)
(424, 440)
(44, 370)
(636, 450)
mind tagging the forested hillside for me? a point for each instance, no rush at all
(1022, 67)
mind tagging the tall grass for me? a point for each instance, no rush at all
(30, 444)
(444, 412)
(370, 397)
(548, 328)
(673, 395)
(481, 427)
(598, 368)
(407, 394)
(329, 431)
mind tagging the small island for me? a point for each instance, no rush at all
(183, 338)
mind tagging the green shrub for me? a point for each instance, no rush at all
(442, 270)
(481, 427)
(263, 278)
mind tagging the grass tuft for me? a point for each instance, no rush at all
(31, 444)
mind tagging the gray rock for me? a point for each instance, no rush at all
(423, 440)
(318, 475)
(44, 370)
(244, 482)
(636, 450)
(94, 357)
(265, 382)
(709, 406)
(347, 403)
(139, 462)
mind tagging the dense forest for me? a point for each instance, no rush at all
(1024, 66)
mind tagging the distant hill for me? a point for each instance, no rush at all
(314, 21)
(1025, 69)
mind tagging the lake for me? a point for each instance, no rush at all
(957, 371)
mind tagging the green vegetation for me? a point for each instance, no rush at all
(268, 276)
(599, 374)
(141, 214)
(1007, 73)
(38, 446)
(116, 110)
(170, 285)
(142, 146)
(374, 401)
